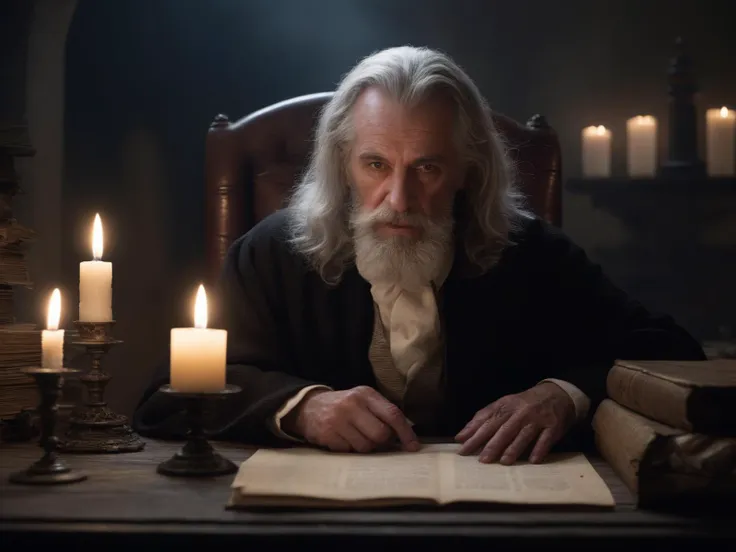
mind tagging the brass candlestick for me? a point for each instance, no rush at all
(50, 469)
(93, 426)
(197, 458)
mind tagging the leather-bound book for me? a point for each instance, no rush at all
(665, 467)
(695, 396)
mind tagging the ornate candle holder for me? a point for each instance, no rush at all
(197, 458)
(50, 469)
(93, 426)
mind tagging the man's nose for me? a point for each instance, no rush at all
(398, 195)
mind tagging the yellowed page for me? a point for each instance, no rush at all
(564, 479)
(317, 474)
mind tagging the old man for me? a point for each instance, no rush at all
(407, 291)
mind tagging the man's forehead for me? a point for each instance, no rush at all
(376, 113)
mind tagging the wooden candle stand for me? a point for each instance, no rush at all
(93, 426)
(197, 458)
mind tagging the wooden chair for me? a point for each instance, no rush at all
(252, 164)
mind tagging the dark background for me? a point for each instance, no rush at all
(119, 94)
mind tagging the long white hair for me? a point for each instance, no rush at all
(319, 207)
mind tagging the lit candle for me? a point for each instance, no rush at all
(198, 353)
(596, 152)
(95, 282)
(52, 338)
(641, 145)
(719, 141)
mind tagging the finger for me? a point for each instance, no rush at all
(391, 415)
(544, 444)
(472, 426)
(336, 443)
(358, 442)
(502, 439)
(520, 444)
(484, 433)
(372, 427)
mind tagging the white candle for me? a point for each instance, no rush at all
(198, 354)
(719, 141)
(95, 282)
(641, 146)
(596, 152)
(52, 338)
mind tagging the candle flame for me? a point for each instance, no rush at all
(724, 112)
(600, 130)
(200, 308)
(644, 119)
(97, 238)
(54, 312)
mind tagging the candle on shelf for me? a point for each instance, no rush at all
(52, 338)
(198, 354)
(95, 282)
(719, 141)
(596, 152)
(641, 146)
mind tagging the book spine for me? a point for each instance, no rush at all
(615, 445)
(655, 398)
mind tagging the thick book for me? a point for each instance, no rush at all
(435, 475)
(695, 396)
(663, 465)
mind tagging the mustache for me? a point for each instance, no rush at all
(384, 214)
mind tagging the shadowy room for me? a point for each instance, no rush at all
(139, 140)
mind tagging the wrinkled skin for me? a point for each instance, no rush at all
(357, 420)
(506, 429)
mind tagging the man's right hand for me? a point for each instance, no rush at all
(359, 419)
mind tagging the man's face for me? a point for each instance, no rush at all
(404, 158)
(405, 171)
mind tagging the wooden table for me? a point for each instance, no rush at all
(125, 502)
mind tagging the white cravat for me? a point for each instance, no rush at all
(411, 330)
(411, 322)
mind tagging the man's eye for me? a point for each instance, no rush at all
(427, 168)
(377, 165)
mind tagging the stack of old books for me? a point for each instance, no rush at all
(20, 344)
(668, 429)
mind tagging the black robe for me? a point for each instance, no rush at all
(544, 311)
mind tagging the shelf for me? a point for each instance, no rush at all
(677, 207)
(638, 185)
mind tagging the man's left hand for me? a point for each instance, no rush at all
(506, 428)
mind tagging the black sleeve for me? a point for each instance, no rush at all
(247, 305)
(604, 323)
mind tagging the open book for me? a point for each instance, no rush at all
(308, 477)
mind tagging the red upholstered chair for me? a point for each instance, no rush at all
(251, 165)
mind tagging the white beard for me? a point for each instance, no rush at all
(410, 263)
